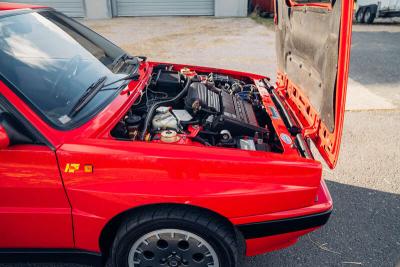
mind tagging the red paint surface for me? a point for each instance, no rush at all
(262, 245)
(327, 142)
(4, 140)
(37, 198)
(243, 186)
(34, 209)
(12, 6)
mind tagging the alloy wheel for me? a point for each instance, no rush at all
(172, 248)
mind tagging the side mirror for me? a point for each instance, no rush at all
(4, 139)
(11, 132)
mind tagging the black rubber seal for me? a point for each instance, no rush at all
(269, 228)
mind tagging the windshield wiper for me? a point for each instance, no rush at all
(134, 76)
(88, 95)
(126, 58)
(122, 57)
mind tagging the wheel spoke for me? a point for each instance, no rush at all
(172, 247)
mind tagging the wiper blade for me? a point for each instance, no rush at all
(89, 94)
(134, 76)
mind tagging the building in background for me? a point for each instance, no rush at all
(100, 9)
(266, 6)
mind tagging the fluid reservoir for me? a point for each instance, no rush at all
(169, 136)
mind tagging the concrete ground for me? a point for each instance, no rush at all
(233, 43)
(364, 229)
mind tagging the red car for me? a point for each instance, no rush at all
(106, 155)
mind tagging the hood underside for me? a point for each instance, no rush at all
(313, 44)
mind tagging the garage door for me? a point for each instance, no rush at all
(163, 7)
(73, 8)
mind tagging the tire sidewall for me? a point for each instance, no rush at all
(371, 17)
(367, 15)
(360, 16)
(122, 249)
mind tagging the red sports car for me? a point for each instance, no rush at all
(107, 155)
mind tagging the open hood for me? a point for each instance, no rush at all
(313, 50)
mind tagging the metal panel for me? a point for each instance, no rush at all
(164, 7)
(73, 8)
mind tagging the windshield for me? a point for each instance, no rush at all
(52, 60)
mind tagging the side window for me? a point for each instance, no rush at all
(17, 132)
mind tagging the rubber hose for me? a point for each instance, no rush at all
(201, 141)
(155, 106)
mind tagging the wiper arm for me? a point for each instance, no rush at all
(89, 94)
(126, 58)
(123, 57)
(134, 76)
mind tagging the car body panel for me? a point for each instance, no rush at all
(262, 245)
(84, 178)
(313, 50)
(13, 6)
(140, 174)
(33, 202)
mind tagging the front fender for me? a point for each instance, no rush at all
(230, 182)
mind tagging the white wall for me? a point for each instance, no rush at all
(98, 9)
(101, 9)
(231, 8)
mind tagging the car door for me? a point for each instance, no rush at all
(34, 209)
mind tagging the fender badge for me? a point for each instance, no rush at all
(88, 168)
(286, 139)
(72, 167)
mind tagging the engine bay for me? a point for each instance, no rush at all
(202, 109)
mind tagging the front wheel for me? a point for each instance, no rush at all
(176, 237)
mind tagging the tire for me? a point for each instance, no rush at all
(369, 16)
(360, 15)
(176, 236)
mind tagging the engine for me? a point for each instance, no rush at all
(207, 109)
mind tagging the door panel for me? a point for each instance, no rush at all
(34, 209)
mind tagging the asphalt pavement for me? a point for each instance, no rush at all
(375, 64)
(364, 229)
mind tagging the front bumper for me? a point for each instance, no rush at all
(264, 233)
(263, 229)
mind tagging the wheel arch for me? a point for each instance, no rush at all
(109, 231)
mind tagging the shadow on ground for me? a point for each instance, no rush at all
(364, 230)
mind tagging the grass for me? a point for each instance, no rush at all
(268, 22)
